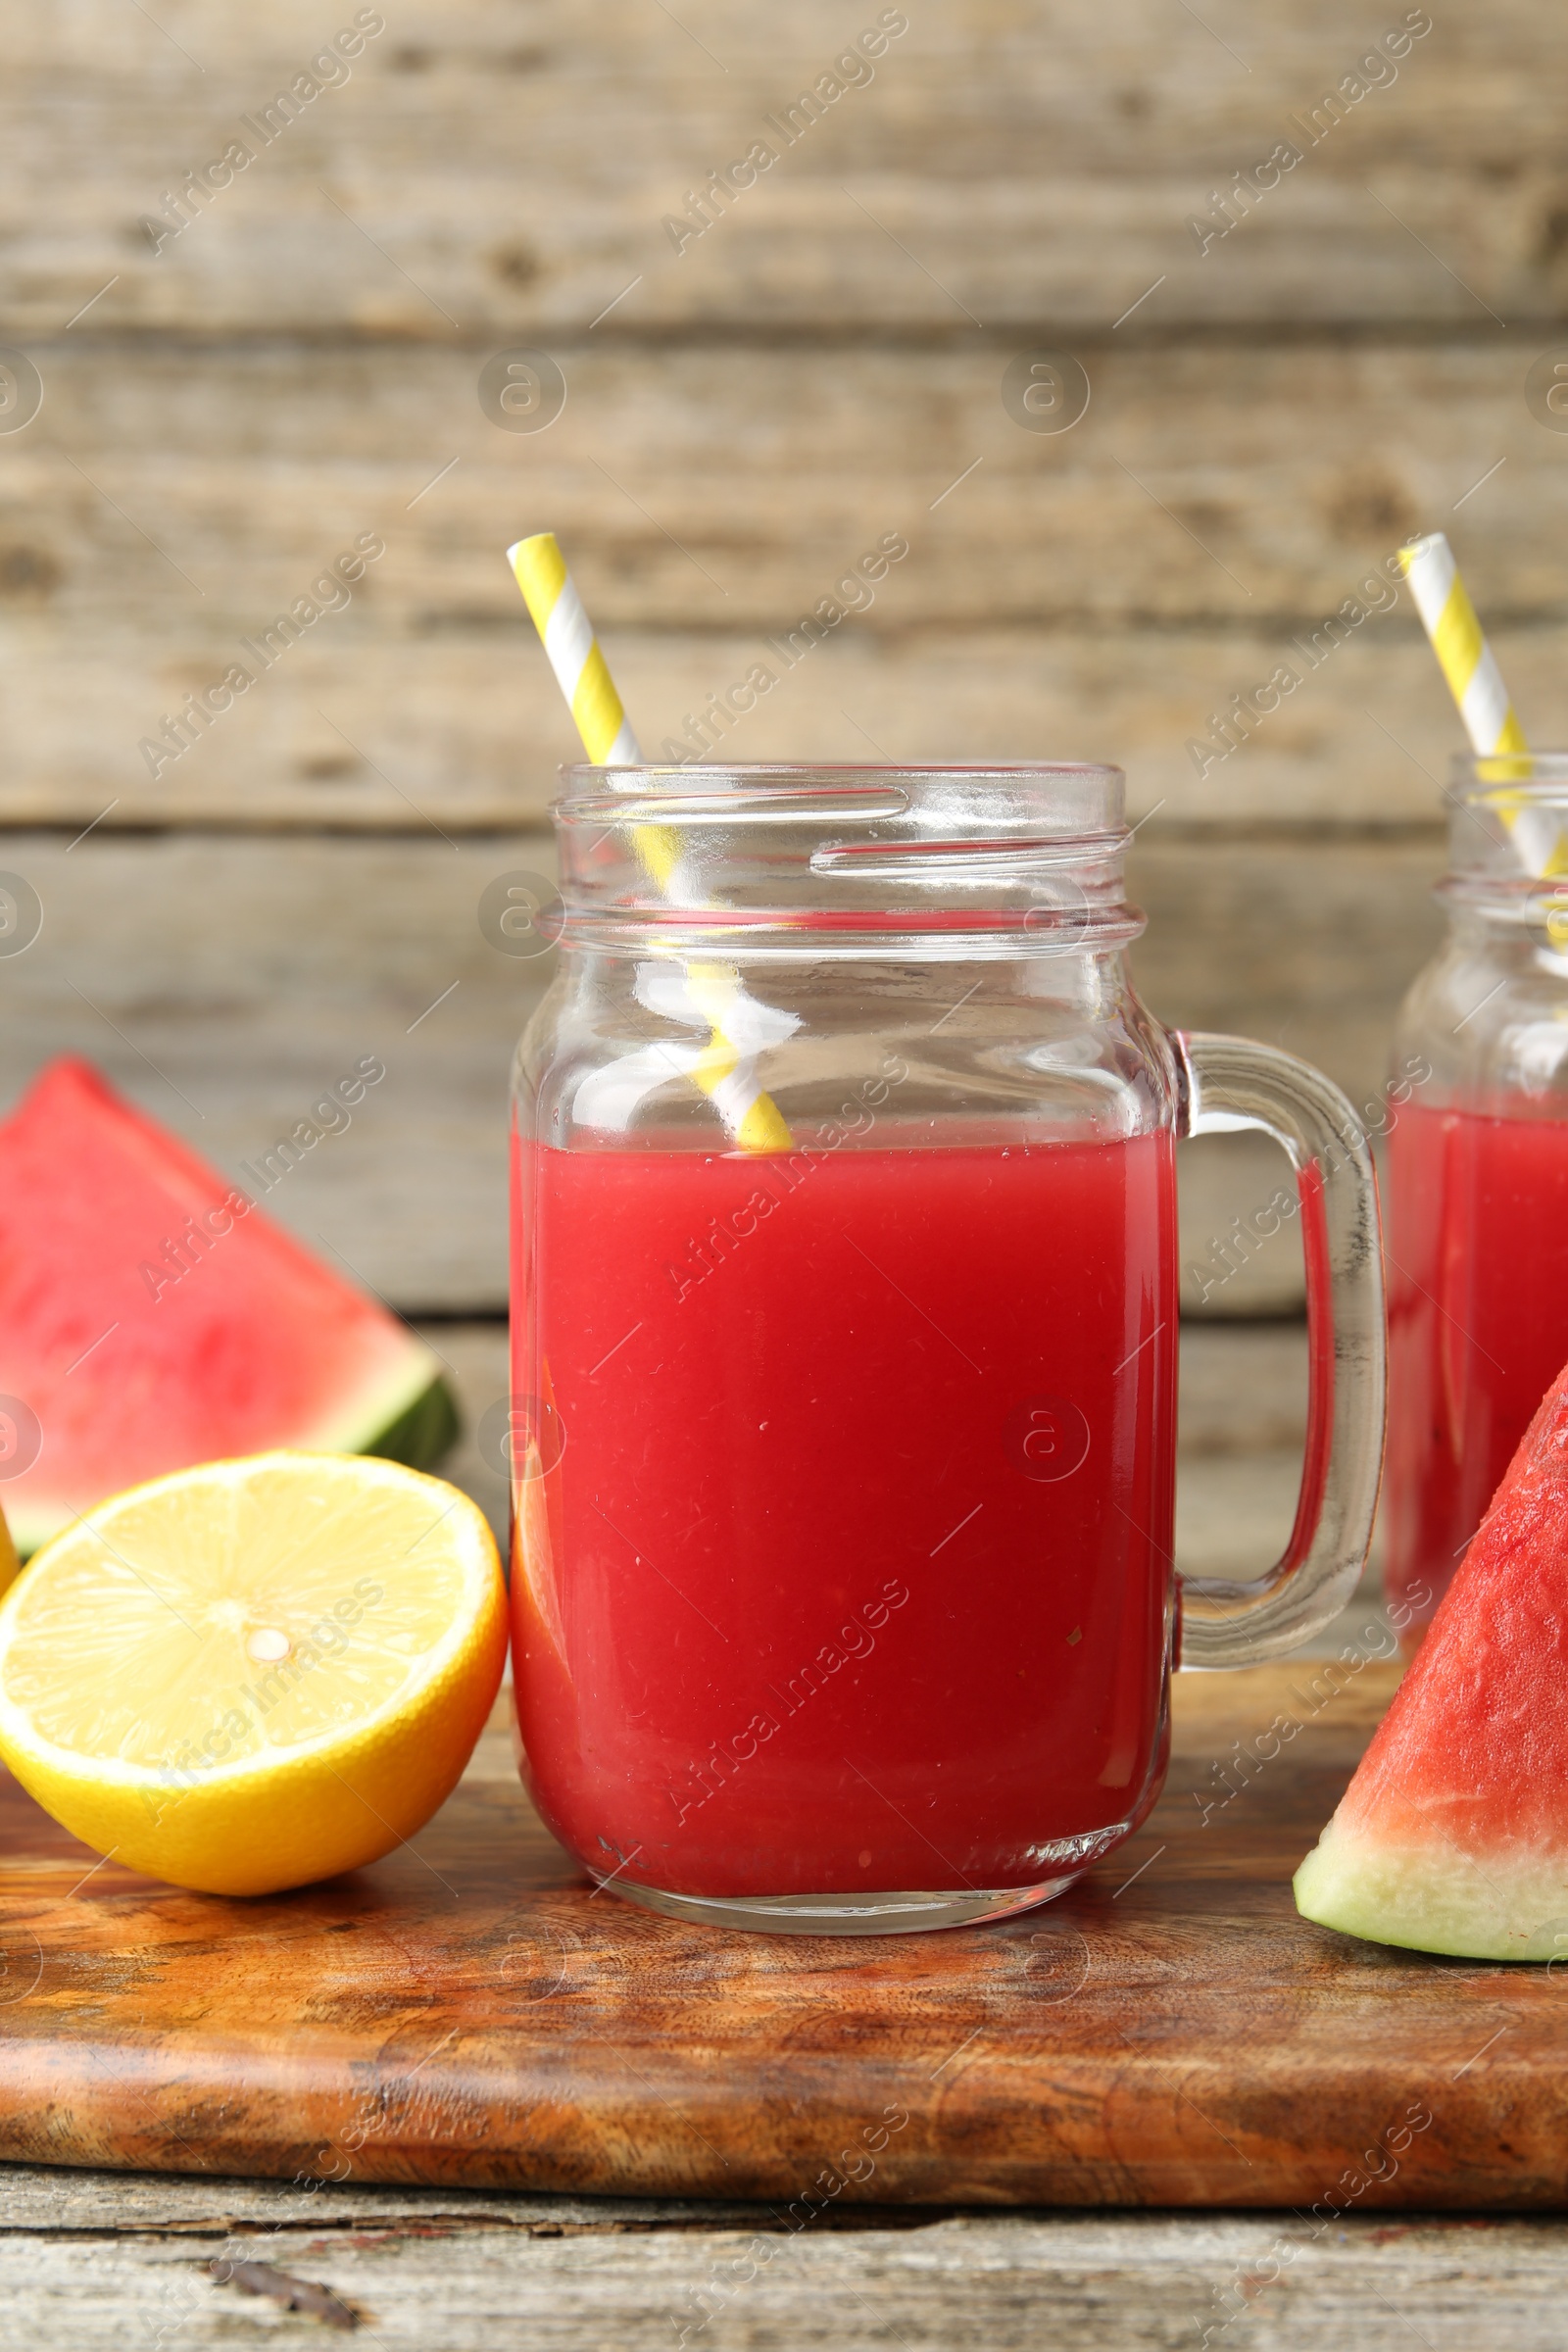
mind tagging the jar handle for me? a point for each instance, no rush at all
(1229, 1083)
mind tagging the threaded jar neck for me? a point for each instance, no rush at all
(864, 861)
(1509, 836)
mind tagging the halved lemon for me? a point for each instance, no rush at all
(255, 1674)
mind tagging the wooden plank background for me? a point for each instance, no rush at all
(301, 362)
(227, 409)
(300, 365)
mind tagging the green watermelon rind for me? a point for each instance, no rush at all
(424, 1434)
(1437, 1898)
(407, 1416)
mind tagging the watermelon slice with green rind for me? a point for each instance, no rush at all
(1452, 1836)
(135, 1357)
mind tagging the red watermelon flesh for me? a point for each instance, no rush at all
(132, 1366)
(1454, 1834)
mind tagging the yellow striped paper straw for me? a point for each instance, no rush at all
(1470, 667)
(574, 652)
(724, 1070)
(1465, 657)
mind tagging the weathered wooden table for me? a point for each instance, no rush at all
(88, 2260)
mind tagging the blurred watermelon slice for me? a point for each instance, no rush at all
(151, 1317)
(1454, 1834)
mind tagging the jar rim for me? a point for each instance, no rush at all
(763, 771)
(1044, 798)
(1481, 778)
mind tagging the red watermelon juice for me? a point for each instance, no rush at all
(1478, 1325)
(843, 1562)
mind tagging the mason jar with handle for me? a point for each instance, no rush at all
(844, 1344)
(1477, 1241)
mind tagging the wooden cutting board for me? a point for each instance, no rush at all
(472, 2012)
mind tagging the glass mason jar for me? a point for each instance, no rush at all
(844, 1344)
(1478, 1174)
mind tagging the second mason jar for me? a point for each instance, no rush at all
(1478, 1173)
(845, 1321)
